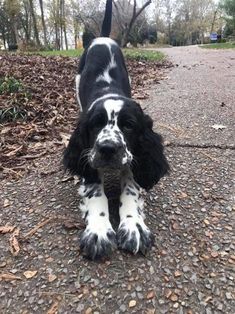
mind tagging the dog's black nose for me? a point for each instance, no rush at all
(107, 149)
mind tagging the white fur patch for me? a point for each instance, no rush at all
(103, 41)
(108, 42)
(106, 76)
(111, 105)
(95, 210)
(102, 98)
(131, 211)
(77, 82)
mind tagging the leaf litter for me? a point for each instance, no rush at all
(47, 98)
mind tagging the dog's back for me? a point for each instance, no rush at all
(102, 70)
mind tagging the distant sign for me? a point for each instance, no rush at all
(213, 36)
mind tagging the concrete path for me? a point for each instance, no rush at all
(191, 212)
(199, 93)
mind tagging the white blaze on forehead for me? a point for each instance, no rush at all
(112, 105)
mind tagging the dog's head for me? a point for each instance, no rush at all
(108, 124)
(115, 133)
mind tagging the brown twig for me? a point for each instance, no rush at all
(35, 229)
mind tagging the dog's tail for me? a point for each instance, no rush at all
(107, 22)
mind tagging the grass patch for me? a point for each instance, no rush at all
(12, 114)
(10, 85)
(16, 95)
(145, 55)
(63, 53)
(219, 46)
(134, 54)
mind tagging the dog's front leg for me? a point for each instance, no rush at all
(133, 235)
(99, 238)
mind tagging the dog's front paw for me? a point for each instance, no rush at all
(134, 236)
(96, 245)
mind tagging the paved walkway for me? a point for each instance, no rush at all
(191, 212)
(198, 94)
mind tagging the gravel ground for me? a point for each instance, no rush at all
(191, 212)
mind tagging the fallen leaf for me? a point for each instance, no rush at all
(132, 303)
(177, 273)
(206, 222)
(88, 311)
(52, 278)
(174, 297)
(214, 254)
(65, 139)
(183, 195)
(218, 127)
(150, 295)
(205, 257)
(9, 277)
(6, 203)
(168, 293)
(53, 309)
(208, 299)
(30, 273)
(6, 229)
(209, 234)
(175, 226)
(14, 244)
(231, 261)
(3, 264)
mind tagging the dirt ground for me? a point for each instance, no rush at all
(191, 212)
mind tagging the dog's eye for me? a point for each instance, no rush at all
(128, 126)
(97, 122)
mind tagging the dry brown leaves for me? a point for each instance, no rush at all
(48, 98)
(6, 229)
(8, 276)
(13, 239)
(53, 309)
(14, 243)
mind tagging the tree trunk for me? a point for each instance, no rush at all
(213, 22)
(34, 23)
(57, 26)
(43, 23)
(63, 24)
(128, 27)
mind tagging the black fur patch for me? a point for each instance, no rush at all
(94, 249)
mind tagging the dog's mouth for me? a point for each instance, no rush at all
(116, 160)
(97, 161)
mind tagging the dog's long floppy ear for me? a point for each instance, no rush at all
(151, 163)
(75, 155)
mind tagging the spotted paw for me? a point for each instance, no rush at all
(134, 236)
(96, 245)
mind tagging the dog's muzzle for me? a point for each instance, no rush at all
(108, 154)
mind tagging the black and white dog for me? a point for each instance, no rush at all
(112, 133)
